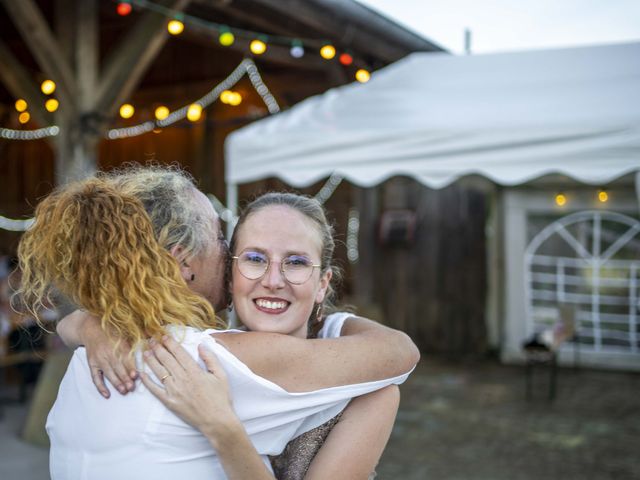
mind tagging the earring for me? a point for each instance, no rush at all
(319, 313)
(193, 277)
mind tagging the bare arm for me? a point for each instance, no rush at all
(366, 351)
(80, 328)
(354, 446)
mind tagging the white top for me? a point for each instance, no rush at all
(136, 437)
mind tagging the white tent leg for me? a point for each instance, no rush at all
(232, 204)
(638, 188)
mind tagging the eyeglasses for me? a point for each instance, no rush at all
(296, 269)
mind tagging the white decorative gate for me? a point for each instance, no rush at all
(589, 261)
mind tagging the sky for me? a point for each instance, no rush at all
(509, 25)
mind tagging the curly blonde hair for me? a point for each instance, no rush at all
(95, 243)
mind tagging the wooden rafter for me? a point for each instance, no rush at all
(278, 54)
(130, 59)
(240, 12)
(323, 20)
(86, 52)
(44, 46)
(378, 25)
(19, 82)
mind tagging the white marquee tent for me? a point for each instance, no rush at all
(510, 117)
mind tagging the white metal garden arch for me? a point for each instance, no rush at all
(589, 261)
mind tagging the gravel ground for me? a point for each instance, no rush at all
(472, 421)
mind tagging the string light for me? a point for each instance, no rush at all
(175, 27)
(353, 227)
(21, 105)
(345, 59)
(134, 131)
(48, 87)
(297, 50)
(561, 199)
(37, 134)
(123, 8)
(24, 117)
(363, 75)
(161, 112)
(235, 99)
(15, 225)
(225, 96)
(258, 47)
(245, 67)
(261, 88)
(328, 52)
(194, 112)
(603, 196)
(231, 98)
(51, 105)
(226, 38)
(224, 213)
(127, 111)
(328, 188)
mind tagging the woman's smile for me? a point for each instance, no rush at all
(273, 306)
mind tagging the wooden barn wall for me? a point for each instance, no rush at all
(434, 288)
(26, 174)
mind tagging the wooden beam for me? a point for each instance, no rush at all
(378, 25)
(64, 21)
(86, 53)
(130, 59)
(278, 54)
(21, 85)
(45, 48)
(336, 29)
(241, 12)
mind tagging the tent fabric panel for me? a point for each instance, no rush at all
(509, 117)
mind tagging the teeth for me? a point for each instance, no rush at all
(271, 305)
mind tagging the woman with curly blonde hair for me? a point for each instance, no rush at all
(119, 249)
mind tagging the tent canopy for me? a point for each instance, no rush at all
(510, 117)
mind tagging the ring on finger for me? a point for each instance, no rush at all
(165, 377)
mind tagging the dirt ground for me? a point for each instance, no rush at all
(472, 421)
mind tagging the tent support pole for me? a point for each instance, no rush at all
(232, 205)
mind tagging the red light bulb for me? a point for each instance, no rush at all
(123, 9)
(346, 59)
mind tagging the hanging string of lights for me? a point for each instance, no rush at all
(258, 41)
(15, 225)
(164, 117)
(353, 228)
(11, 134)
(329, 187)
(193, 110)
